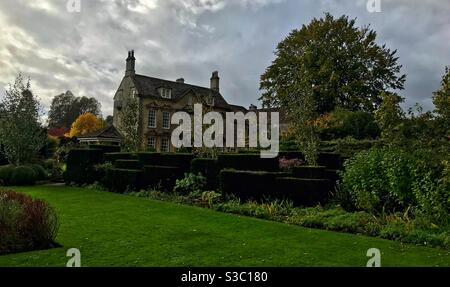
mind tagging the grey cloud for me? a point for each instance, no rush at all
(85, 52)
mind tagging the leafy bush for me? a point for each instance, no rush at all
(209, 168)
(41, 173)
(123, 180)
(25, 223)
(127, 164)
(392, 179)
(5, 174)
(161, 176)
(190, 183)
(80, 165)
(23, 175)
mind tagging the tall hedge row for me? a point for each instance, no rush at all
(209, 168)
(274, 185)
(80, 165)
(247, 162)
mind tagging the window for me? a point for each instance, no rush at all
(151, 142)
(166, 120)
(165, 93)
(152, 119)
(210, 101)
(164, 144)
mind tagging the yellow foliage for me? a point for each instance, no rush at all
(85, 124)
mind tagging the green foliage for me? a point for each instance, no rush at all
(441, 100)
(247, 162)
(41, 173)
(384, 180)
(340, 64)
(129, 125)
(190, 183)
(355, 124)
(123, 180)
(5, 174)
(127, 164)
(81, 166)
(209, 168)
(112, 157)
(21, 133)
(23, 175)
(389, 116)
(162, 177)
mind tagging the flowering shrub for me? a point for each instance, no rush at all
(288, 164)
(25, 223)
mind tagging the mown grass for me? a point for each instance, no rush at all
(117, 230)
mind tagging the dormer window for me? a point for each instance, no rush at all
(165, 93)
(210, 101)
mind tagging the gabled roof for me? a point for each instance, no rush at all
(148, 87)
(108, 132)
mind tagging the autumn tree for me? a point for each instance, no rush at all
(341, 64)
(85, 124)
(66, 108)
(21, 132)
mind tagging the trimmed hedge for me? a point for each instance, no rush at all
(106, 148)
(127, 164)
(209, 168)
(275, 185)
(5, 174)
(80, 165)
(41, 173)
(23, 175)
(309, 172)
(161, 176)
(330, 160)
(181, 160)
(303, 192)
(112, 157)
(123, 180)
(247, 162)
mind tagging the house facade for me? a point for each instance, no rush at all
(159, 99)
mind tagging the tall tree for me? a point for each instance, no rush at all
(21, 133)
(129, 124)
(389, 116)
(85, 124)
(341, 64)
(66, 108)
(441, 100)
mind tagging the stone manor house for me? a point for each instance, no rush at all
(158, 99)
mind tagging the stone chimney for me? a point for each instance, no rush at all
(180, 80)
(252, 108)
(215, 81)
(131, 60)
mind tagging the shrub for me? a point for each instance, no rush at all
(209, 168)
(247, 162)
(392, 179)
(161, 176)
(25, 223)
(5, 174)
(41, 173)
(309, 172)
(106, 148)
(303, 192)
(190, 183)
(180, 160)
(123, 180)
(80, 165)
(112, 157)
(287, 164)
(23, 175)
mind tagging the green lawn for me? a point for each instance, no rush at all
(118, 230)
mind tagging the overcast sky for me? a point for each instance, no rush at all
(85, 52)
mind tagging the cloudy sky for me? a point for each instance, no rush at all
(85, 52)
